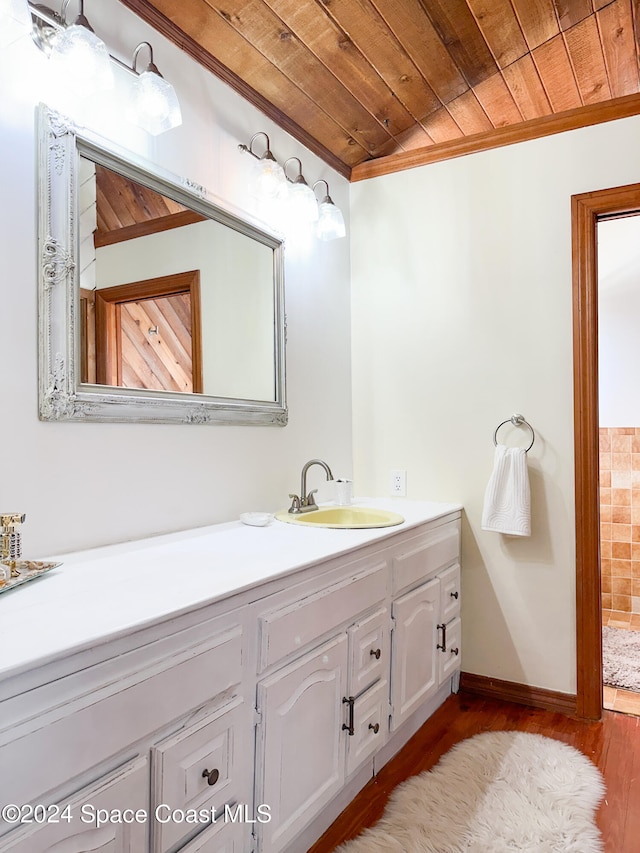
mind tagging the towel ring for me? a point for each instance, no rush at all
(516, 420)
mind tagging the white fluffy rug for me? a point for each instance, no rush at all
(621, 658)
(492, 793)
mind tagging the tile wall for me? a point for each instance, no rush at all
(620, 518)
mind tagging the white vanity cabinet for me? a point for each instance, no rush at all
(426, 628)
(315, 709)
(238, 711)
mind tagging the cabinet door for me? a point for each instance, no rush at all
(449, 657)
(108, 817)
(414, 662)
(301, 741)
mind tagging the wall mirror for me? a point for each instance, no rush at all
(157, 304)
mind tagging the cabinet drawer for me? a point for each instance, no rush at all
(295, 626)
(179, 764)
(218, 838)
(450, 593)
(370, 723)
(122, 710)
(426, 555)
(449, 659)
(368, 651)
(90, 829)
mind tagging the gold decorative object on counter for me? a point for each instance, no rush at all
(25, 570)
(13, 570)
(10, 539)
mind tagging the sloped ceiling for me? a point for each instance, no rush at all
(377, 85)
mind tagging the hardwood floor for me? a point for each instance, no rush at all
(613, 744)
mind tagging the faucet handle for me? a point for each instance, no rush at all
(295, 503)
(311, 501)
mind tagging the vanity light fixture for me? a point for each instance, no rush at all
(267, 179)
(81, 58)
(85, 65)
(15, 21)
(330, 224)
(153, 103)
(302, 202)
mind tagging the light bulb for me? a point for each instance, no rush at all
(82, 60)
(153, 103)
(331, 222)
(267, 177)
(302, 201)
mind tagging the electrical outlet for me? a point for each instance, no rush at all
(399, 483)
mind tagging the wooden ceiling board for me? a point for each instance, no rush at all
(501, 30)
(412, 27)
(469, 115)
(441, 126)
(587, 59)
(526, 88)
(615, 23)
(335, 50)
(460, 33)
(556, 73)
(374, 39)
(571, 12)
(538, 21)
(359, 81)
(267, 33)
(497, 101)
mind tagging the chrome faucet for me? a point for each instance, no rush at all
(306, 502)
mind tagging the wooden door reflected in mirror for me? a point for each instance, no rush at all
(147, 334)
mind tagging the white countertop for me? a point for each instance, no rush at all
(105, 592)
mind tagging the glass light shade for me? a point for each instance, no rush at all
(153, 104)
(331, 222)
(15, 21)
(302, 202)
(267, 178)
(82, 60)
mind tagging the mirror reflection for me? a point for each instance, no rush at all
(171, 300)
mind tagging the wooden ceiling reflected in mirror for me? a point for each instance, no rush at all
(126, 210)
(374, 86)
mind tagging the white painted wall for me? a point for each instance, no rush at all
(86, 484)
(462, 315)
(619, 321)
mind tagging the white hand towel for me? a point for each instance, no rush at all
(507, 500)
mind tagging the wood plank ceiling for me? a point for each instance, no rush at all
(376, 85)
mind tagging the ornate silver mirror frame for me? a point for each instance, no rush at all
(62, 396)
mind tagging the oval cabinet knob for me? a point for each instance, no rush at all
(455, 651)
(211, 776)
(376, 653)
(454, 594)
(375, 728)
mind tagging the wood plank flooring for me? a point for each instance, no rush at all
(613, 744)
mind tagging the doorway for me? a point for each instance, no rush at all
(587, 210)
(619, 414)
(148, 334)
